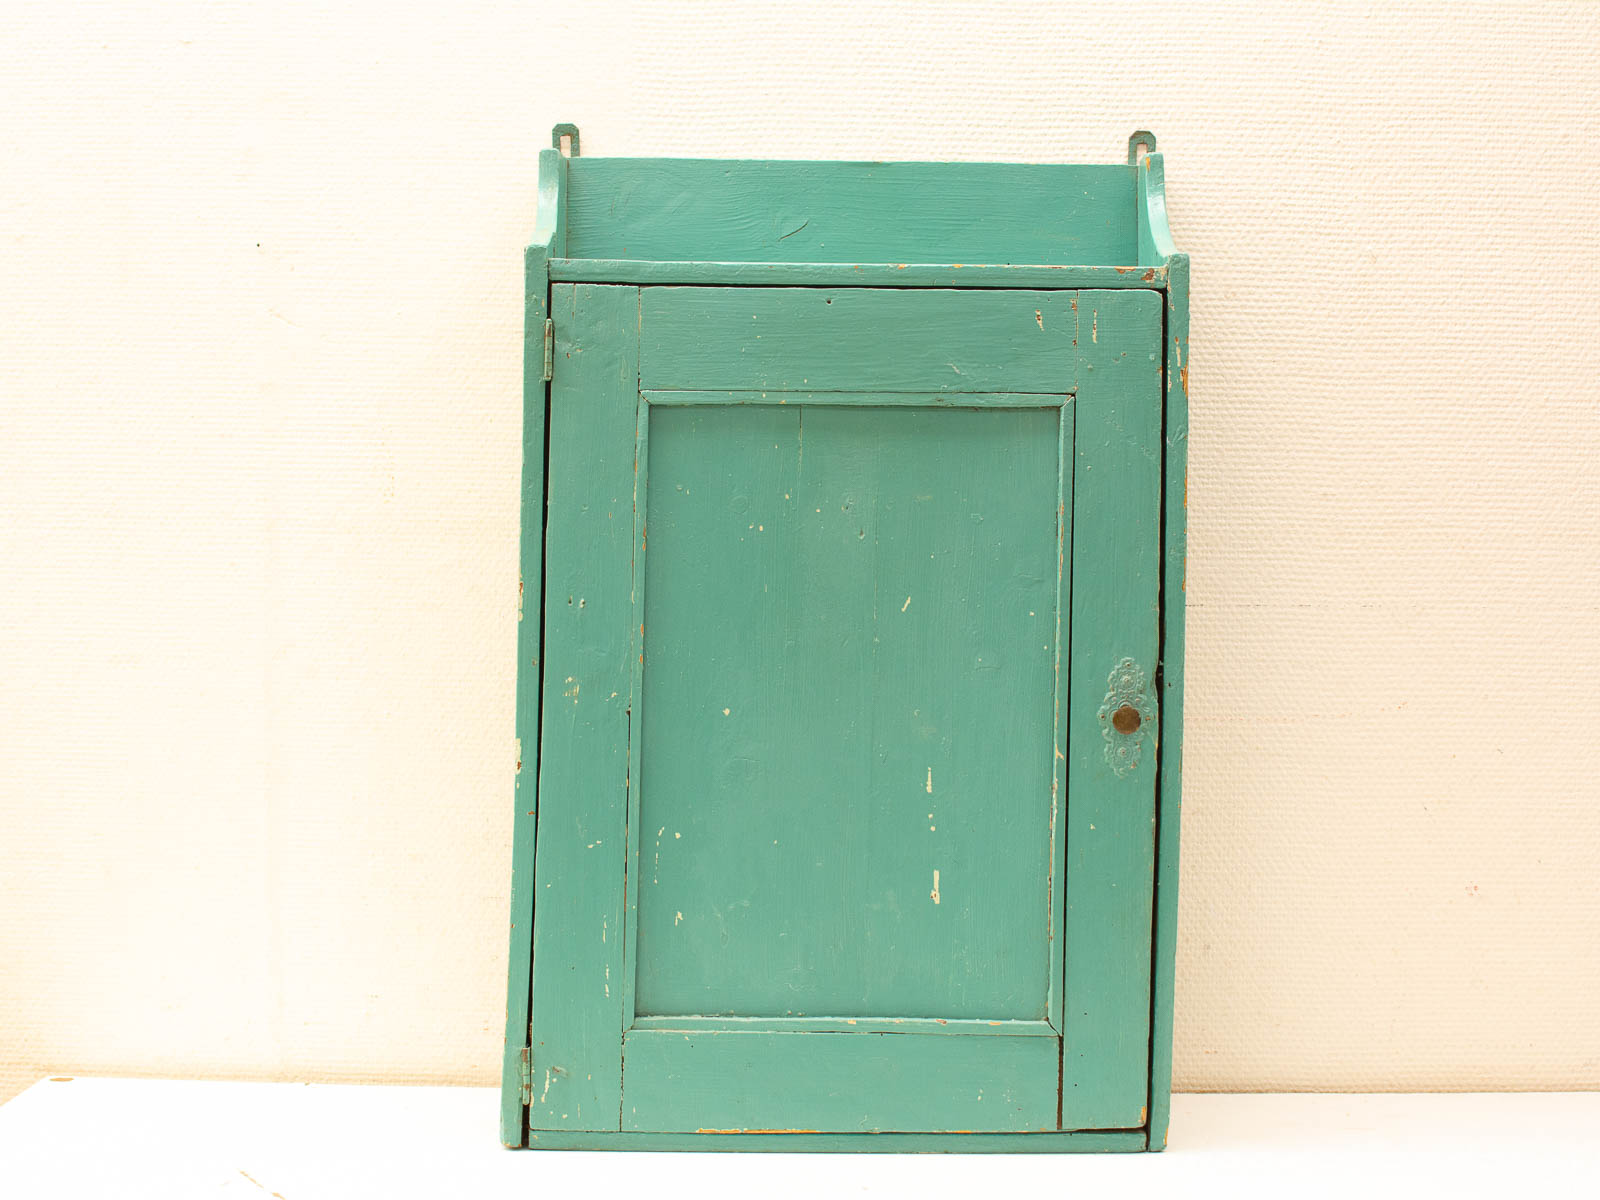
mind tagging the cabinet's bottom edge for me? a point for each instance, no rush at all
(1106, 1141)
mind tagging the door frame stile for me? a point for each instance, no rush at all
(581, 849)
(1112, 799)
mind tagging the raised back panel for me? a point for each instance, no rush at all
(844, 212)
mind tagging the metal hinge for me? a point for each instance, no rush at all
(549, 350)
(525, 1069)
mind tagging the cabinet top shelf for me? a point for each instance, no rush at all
(886, 218)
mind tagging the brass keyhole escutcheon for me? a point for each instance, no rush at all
(1126, 719)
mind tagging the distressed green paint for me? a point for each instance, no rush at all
(888, 360)
(1154, 237)
(583, 767)
(1110, 1142)
(855, 340)
(1111, 792)
(897, 275)
(896, 569)
(859, 399)
(967, 1028)
(715, 210)
(1156, 248)
(723, 1080)
(786, 857)
(549, 239)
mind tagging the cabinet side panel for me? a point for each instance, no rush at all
(530, 590)
(1111, 779)
(583, 761)
(1174, 557)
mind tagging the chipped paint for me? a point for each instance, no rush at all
(758, 1131)
(929, 785)
(934, 895)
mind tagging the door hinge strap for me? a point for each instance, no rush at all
(549, 350)
(525, 1068)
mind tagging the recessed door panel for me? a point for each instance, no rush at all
(848, 711)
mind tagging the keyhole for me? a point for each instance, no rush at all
(1126, 719)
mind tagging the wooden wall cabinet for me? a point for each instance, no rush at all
(850, 657)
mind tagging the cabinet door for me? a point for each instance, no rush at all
(847, 764)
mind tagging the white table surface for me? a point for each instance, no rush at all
(168, 1139)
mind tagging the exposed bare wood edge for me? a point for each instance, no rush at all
(790, 274)
(1104, 1141)
(1155, 236)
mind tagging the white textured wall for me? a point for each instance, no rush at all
(259, 366)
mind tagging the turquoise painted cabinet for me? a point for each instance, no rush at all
(850, 657)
